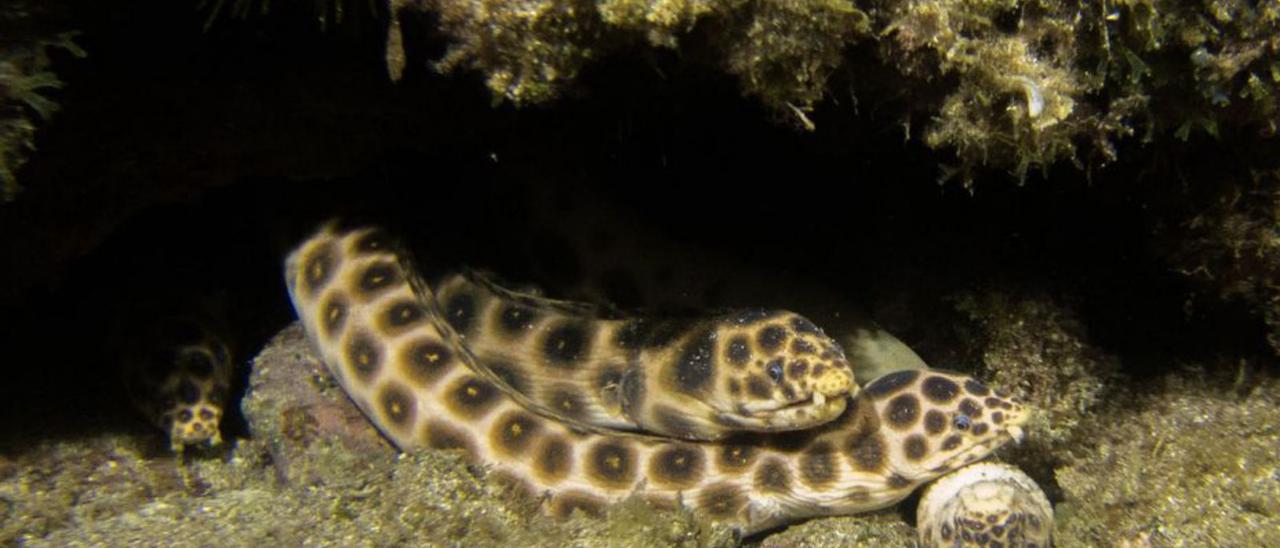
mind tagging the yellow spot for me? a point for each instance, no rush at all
(432, 357)
(516, 430)
(613, 462)
(471, 391)
(395, 408)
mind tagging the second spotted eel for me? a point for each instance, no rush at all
(689, 377)
(406, 375)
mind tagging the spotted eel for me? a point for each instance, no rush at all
(178, 375)
(898, 432)
(695, 378)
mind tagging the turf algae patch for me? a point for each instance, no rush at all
(1230, 245)
(1193, 461)
(320, 489)
(299, 414)
(879, 529)
(48, 486)
(1040, 350)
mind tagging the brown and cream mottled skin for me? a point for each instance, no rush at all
(178, 376)
(353, 296)
(693, 378)
(989, 505)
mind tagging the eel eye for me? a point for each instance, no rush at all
(961, 422)
(774, 370)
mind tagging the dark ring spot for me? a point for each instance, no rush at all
(935, 422)
(363, 356)
(770, 338)
(402, 315)
(377, 278)
(976, 388)
(473, 397)
(887, 385)
(818, 466)
(565, 345)
(397, 405)
(611, 463)
(694, 369)
(514, 433)
(940, 389)
(516, 319)
(425, 361)
(335, 314)
(677, 466)
(903, 411)
(739, 351)
(773, 476)
(915, 447)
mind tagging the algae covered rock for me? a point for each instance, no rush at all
(1007, 85)
(1193, 461)
(318, 440)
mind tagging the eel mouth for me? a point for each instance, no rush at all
(779, 416)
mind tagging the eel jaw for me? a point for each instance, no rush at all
(771, 416)
(1017, 433)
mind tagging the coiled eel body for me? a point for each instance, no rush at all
(404, 366)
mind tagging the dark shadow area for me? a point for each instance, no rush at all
(185, 162)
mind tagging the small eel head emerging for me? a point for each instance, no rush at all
(782, 373)
(936, 421)
(182, 383)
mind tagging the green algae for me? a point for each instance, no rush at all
(528, 50)
(123, 489)
(1001, 84)
(1006, 85)
(1190, 462)
(26, 80)
(1125, 467)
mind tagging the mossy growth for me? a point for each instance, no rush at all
(528, 50)
(782, 51)
(1191, 461)
(1214, 64)
(1004, 84)
(1233, 246)
(26, 78)
(1039, 349)
(1026, 77)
